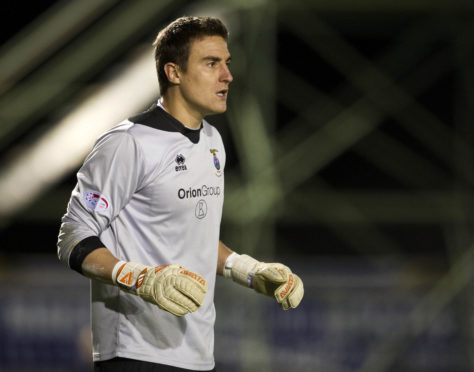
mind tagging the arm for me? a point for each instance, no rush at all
(179, 295)
(105, 183)
(223, 253)
(109, 177)
(271, 279)
(99, 265)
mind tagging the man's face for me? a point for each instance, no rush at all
(205, 84)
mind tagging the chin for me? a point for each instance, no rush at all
(217, 110)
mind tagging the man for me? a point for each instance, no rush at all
(143, 220)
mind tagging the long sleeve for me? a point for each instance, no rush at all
(107, 180)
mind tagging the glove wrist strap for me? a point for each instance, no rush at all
(229, 263)
(118, 266)
(240, 268)
(125, 275)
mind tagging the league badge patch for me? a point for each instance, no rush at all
(217, 164)
(95, 201)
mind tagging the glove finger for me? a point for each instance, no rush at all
(191, 290)
(178, 290)
(273, 274)
(166, 300)
(189, 284)
(296, 294)
(196, 279)
(173, 296)
(283, 290)
(289, 294)
(173, 308)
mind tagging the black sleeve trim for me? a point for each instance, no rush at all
(81, 250)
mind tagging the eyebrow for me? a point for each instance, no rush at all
(216, 59)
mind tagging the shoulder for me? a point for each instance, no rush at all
(210, 130)
(144, 130)
(117, 135)
(115, 145)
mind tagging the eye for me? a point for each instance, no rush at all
(211, 64)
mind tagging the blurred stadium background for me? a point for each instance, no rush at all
(350, 157)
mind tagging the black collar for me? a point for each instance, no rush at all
(158, 118)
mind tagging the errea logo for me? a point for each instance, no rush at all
(180, 159)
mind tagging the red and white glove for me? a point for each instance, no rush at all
(171, 287)
(272, 279)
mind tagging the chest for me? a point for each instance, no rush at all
(189, 180)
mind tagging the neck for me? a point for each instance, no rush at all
(181, 111)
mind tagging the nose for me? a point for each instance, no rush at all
(226, 76)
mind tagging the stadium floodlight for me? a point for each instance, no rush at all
(62, 149)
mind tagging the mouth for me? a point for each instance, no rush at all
(222, 93)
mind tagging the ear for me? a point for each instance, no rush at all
(172, 72)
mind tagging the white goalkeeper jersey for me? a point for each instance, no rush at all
(151, 191)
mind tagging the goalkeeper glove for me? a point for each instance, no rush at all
(171, 287)
(272, 279)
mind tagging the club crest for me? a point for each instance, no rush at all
(217, 164)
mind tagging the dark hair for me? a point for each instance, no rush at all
(173, 43)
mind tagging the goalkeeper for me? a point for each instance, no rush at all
(143, 220)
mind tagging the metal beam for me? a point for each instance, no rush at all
(66, 72)
(425, 313)
(378, 87)
(45, 35)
